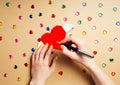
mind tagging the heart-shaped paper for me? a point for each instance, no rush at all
(57, 34)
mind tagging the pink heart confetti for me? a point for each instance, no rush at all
(19, 6)
(5, 75)
(20, 17)
(24, 54)
(110, 49)
(16, 40)
(94, 27)
(10, 56)
(96, 41)
(77, 13)
(65, 19)
(115, 39)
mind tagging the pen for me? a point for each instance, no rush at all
(78, 50)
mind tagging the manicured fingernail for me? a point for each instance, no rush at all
(51, 46)
(46, 44)
(61, 46)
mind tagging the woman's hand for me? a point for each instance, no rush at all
(41, 70)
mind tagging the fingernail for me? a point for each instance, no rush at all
(51, 46)
(61, 46)
(46, 44)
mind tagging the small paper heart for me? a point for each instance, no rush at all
(60, 73)
(111, 59)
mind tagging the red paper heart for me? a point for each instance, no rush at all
(57, 34)
(60, 73)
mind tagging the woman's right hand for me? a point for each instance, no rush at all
(73, 55)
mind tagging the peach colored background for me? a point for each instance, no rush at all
(72, 73)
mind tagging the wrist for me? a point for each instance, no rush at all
(37, 82)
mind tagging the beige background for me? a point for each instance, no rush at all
(72, 73)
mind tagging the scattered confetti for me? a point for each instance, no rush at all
(96, 41)
(94, 52)
(30, 16)
(52, 15)
(50, 2)
(118, 23)
(104, 32)
(100, 14)
(30, 32)
(10, 56)
(63, 6)
(94, 27)
(1, 24)
(32, 49)
(77, 13)
(104, 65)
(19, 6)
(18, 78)
(32, 6)
(40, 14)
(84, 33)
(16, 40)
(79, 22)
(41, 25)
(84, 4)
(110, 49)
(115, 39)
(65, 19)
(39, 39)
(14, 27)
(8, 4)
(113, 73)
(115, 9)
(26, 64)
(111, 59)
(20, 17)
(24, 54)
(60, 73)
(89, 18)
(15, 66)
(100, 5)
(5, 75)
(48, 28)
(0, 38)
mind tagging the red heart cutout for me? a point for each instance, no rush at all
(57, 34)
(60, 73)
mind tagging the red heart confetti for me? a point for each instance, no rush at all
(94, 52)
(26, 64)
(52, 15)
(19, 6)
(57, 34)
(41, 25)
(16, 40)
(60, 73)
(39, 39)
(0, 38)
(20, 17)
(10, 56)
(24, 54)
(113, 73)
(5, 75)
(32, 6)
(30, 32)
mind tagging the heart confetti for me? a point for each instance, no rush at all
(60, 73)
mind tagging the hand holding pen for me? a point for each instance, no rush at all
(73, 52)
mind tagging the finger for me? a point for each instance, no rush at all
(33, 57)
(74, 40)
(38, 52)
(43, 51)
(48, 54)
(67, 52)
(53, 65)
